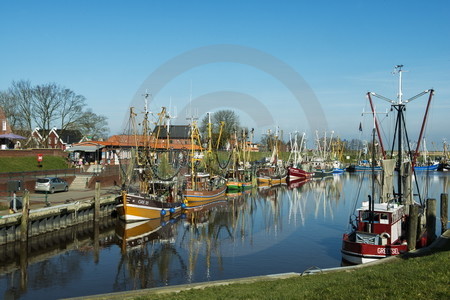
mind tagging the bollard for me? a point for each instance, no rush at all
(431, 220)
(444, 212)
(412, 226)
(97, 202)
(25, 215)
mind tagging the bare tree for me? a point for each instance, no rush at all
(10, 108)
(70, 109)
(21, 93)
(46, 103)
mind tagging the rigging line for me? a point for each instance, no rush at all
(385, 136)
(227, 163)
(395, 133)
(410, 154)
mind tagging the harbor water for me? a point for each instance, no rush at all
(262, 231)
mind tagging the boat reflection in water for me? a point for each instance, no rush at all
(202, 231)
(149, 255)
(257, 232)
(134, 234)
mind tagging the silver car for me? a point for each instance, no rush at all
(51, 185)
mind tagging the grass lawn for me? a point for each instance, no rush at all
(23, 164)
(426, 277)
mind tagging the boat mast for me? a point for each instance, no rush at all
(400, 106)
(383, 152)
(372, 198)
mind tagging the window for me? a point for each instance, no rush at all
(4, 125)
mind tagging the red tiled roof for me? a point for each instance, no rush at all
(141, 141)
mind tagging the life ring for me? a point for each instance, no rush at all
(385, 235)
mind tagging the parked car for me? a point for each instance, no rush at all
(51, 185)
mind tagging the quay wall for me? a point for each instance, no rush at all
(43, 247)
(48, 219)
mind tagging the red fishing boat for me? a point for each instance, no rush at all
(379, 230)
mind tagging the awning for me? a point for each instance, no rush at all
(84, 148)
(12, 136)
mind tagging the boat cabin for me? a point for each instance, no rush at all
(203, 182)
(387, 223)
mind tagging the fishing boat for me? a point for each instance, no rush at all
(378, 234)
(294, 170)
(431, 167)
(239, 179)
(200, 187)
(364, 166)
(444, 165)
(378, 229)
(324, 162)
(298, 174)
(240, 175)
(152, 196)
(273, 173)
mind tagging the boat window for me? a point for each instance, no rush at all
(366, 216)
(384, 218)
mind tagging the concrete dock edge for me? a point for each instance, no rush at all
(442, 243)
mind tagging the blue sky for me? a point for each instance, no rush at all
(107, 50)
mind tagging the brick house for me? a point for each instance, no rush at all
(54, 139)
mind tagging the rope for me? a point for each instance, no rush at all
(227, 163)
(306, 272)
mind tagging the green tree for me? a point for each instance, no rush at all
(92, 125)
(231, 123)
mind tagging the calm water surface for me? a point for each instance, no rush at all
(266, 231)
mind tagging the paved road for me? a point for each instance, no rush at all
(38, 200)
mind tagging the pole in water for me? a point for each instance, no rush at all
(97, 202)
(25, 215)
(412, 226)
(431, 220)
(444, 212)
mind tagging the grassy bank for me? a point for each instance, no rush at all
(24, 164)
(425, 277)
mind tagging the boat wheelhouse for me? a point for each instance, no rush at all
(378, 234)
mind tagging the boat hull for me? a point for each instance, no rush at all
(368, 168)
(272, 181)
(140, 208)
(433, 167)
(238, 185)
(319, 173)
(297, 173)
(360, 253)
(196, 198)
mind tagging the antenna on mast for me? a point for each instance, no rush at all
(398, 69)
(146, 96)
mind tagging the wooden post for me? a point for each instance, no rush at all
(431, 220)
(25, 215)
(97, 202)
(444, 212)
(445, 185)
(412, 226)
